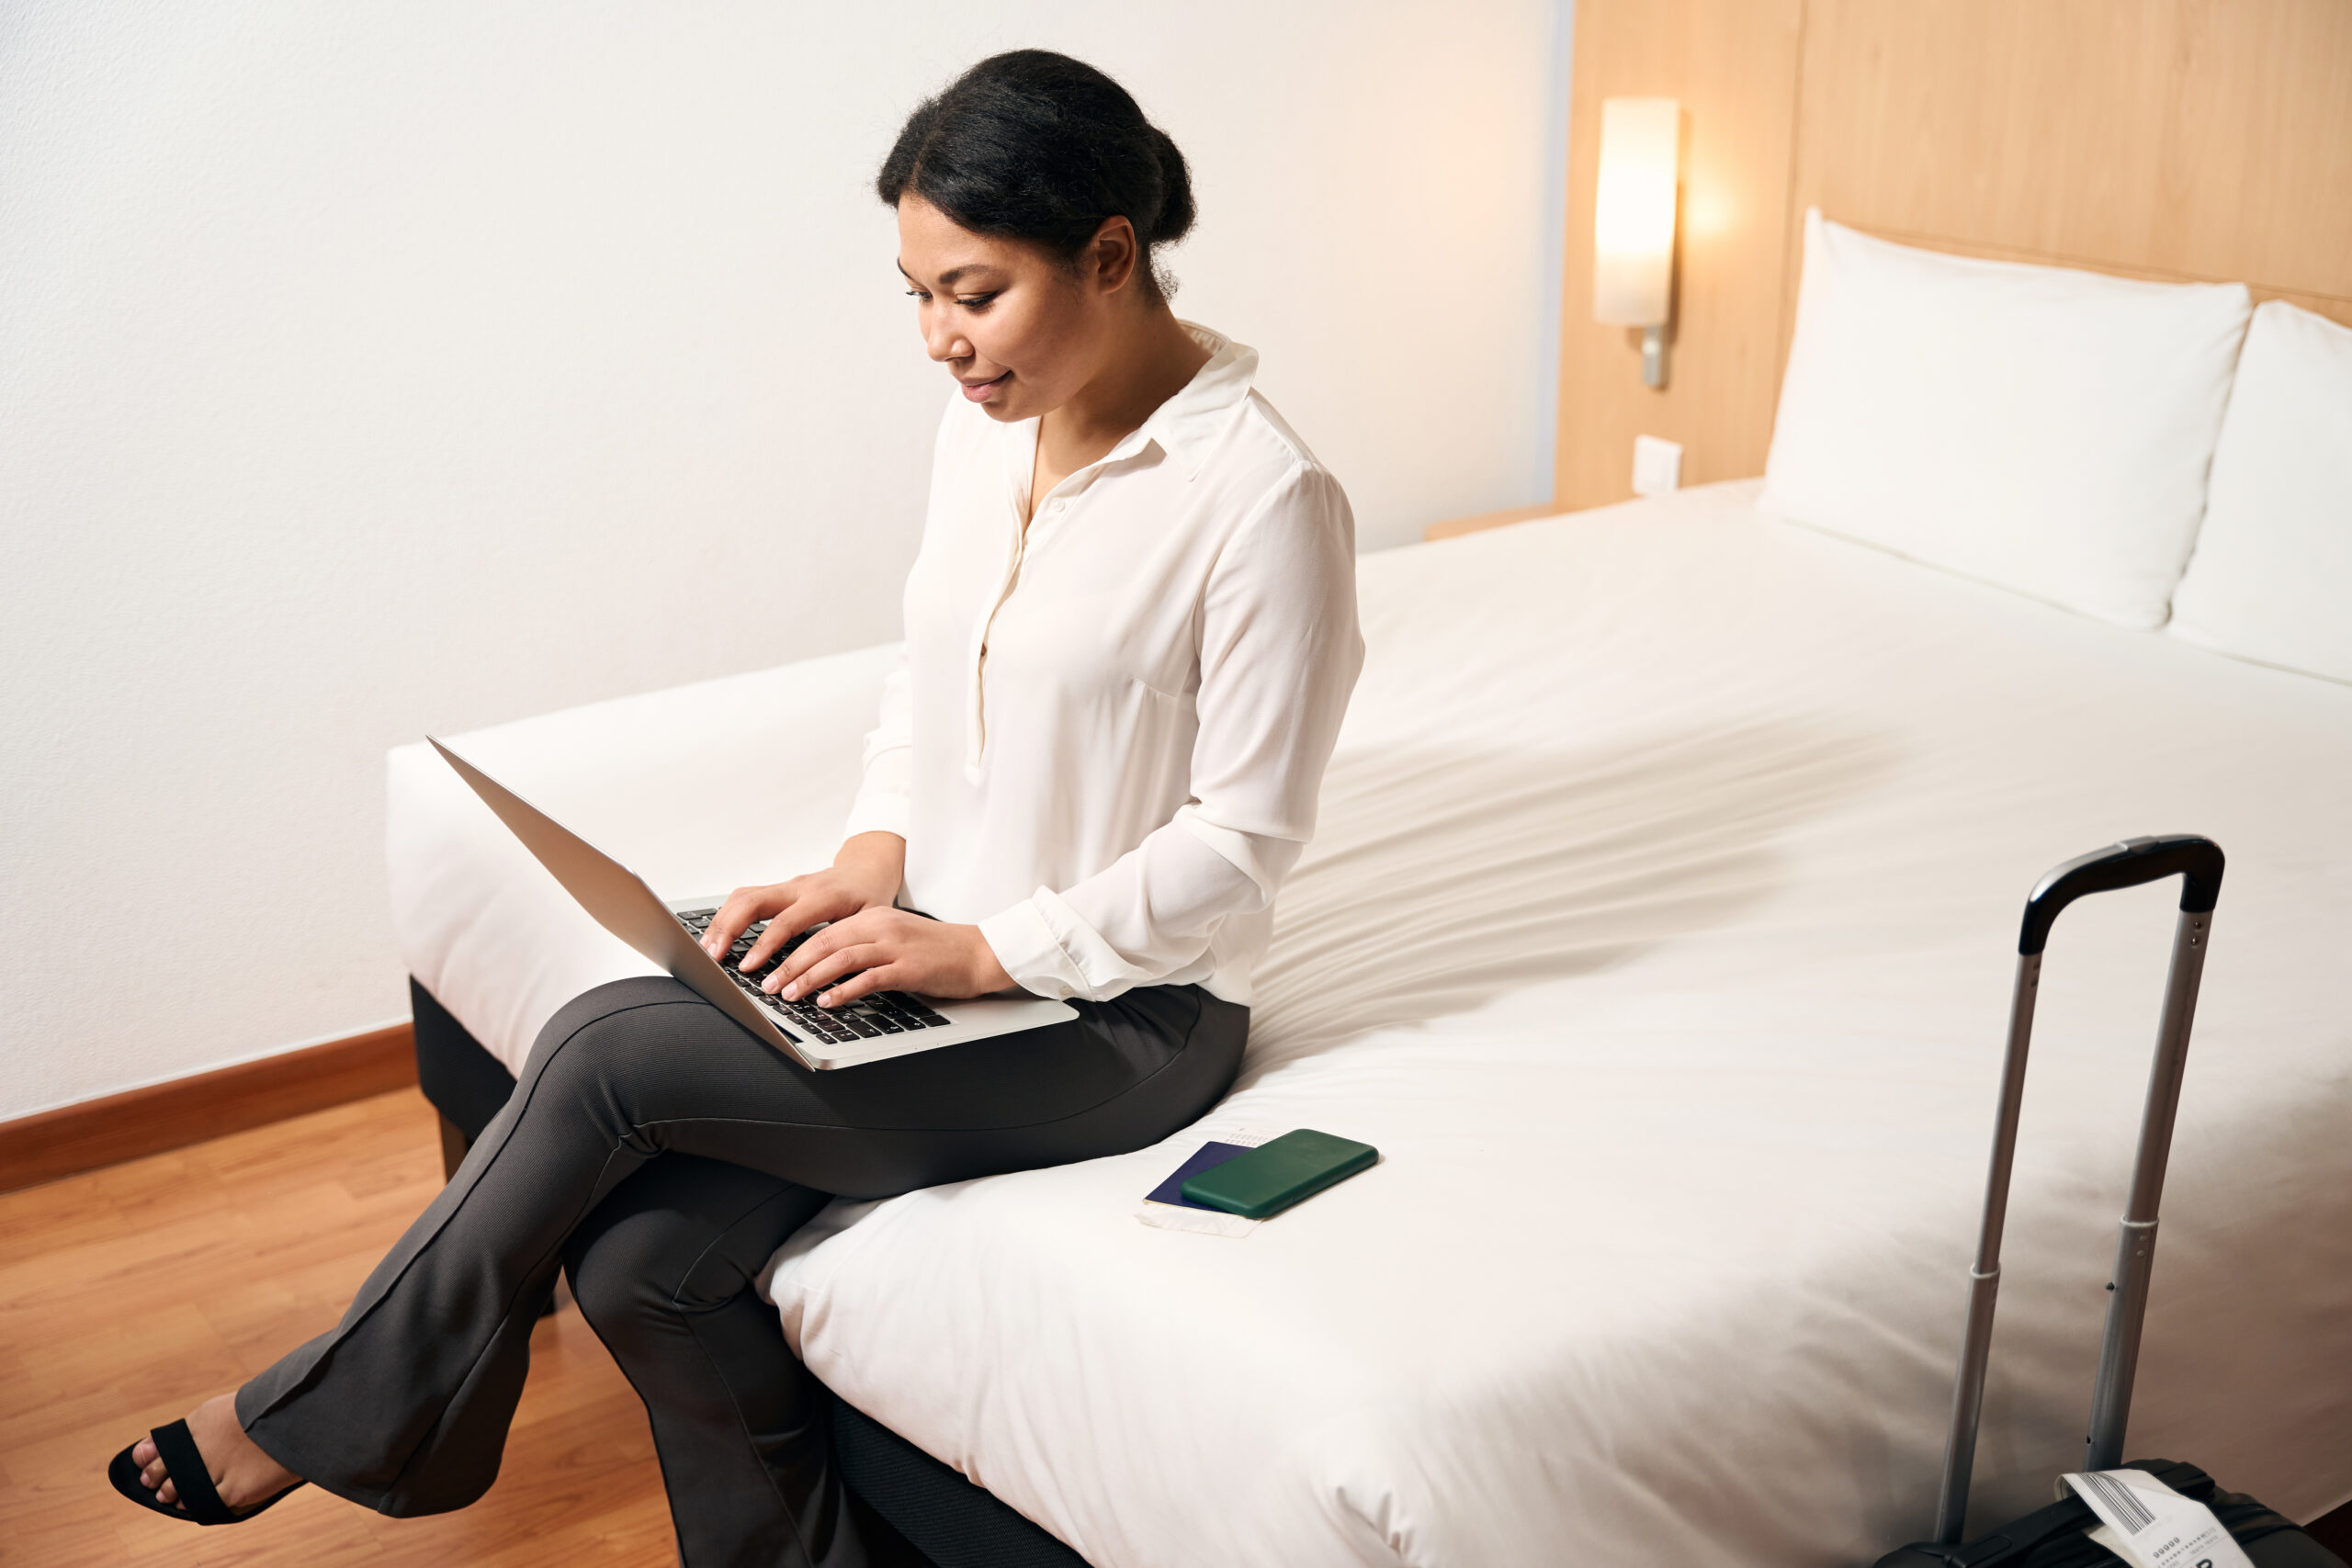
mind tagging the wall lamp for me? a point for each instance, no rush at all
(1633, 222)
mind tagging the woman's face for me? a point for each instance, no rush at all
(1014, 326)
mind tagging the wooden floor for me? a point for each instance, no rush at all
(130, 1295)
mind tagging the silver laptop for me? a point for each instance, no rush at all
(886, 1023)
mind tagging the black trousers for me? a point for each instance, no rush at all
(662, 1154)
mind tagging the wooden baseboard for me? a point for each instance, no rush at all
(75, 1138)
(1454, 527)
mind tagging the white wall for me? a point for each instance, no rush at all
(373, 367)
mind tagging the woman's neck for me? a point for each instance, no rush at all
(1153, 360)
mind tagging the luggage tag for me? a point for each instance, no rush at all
(2145, 1522)
(1166, 1207)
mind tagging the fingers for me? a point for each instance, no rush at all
(744, 907)
(804, 974)
(827, 955)
(780, 928)
(789, 907)
(881, 976)
(819, 945)
(786, 924)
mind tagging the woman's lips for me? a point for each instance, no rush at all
(979, 391)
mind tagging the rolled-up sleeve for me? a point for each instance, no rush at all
(1278, 653)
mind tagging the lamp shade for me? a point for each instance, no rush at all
(1632, 220)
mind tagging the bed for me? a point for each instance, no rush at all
(1660, 924)
(1659, 932)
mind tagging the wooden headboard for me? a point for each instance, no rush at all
(2166, 138)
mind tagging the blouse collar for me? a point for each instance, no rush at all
(1187, 426)
(1190, 424)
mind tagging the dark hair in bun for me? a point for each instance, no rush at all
(1036, 146)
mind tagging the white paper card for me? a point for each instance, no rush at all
(1207, 1222)
(2146, 1522)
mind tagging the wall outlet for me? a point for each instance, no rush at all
(1658, 465)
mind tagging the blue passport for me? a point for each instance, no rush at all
(1211, 1155)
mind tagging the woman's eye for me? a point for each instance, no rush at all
(976, 301)
(917, 294)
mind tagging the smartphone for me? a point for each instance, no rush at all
(1280, 1172)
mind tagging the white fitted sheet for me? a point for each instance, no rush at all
(1659, 931)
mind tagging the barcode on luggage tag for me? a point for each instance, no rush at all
(2129, 1511)
(2149, 1525)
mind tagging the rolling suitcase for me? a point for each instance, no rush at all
(2059, 1536)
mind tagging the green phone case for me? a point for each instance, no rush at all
(1278, 1173)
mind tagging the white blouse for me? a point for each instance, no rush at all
(1104, 740)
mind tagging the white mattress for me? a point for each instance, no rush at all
(1659, 931)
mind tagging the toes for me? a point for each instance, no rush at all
(142, 1453)
(152, 1474)
(167, 1494)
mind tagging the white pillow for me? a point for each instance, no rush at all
(2041, 429)
(2272, 576)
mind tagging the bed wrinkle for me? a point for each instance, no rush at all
(1445, 873)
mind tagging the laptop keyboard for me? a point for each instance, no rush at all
(869, 1017)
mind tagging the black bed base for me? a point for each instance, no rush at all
(953, 1522)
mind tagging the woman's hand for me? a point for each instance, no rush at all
(864, 875)
(889, 950)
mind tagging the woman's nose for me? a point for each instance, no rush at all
(941, 341)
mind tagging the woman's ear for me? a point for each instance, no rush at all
(1111, 254)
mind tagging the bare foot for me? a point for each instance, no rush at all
(244, 1475)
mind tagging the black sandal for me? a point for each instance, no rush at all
(199, 1502)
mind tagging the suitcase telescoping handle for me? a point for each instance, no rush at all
(2128, 865)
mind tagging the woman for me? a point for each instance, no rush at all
(1130, 636)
